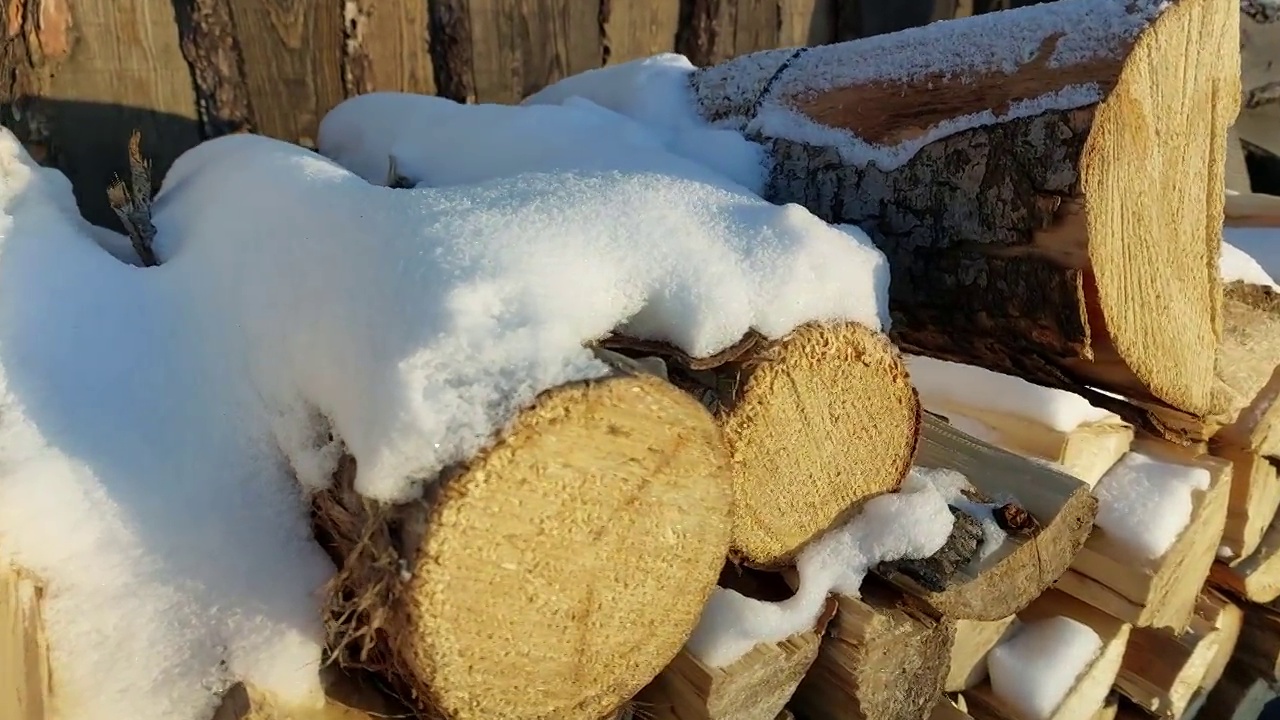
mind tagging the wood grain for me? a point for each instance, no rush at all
(521, 46)
(211, 48)
(638, 29)
(385, 47)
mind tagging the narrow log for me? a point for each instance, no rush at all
(1060, 508)
(974, 639)
(1163, 672)
(1057, 263)
(882, 659)
(1252, 504)
(1089, 695)
(552, 576)
(25, 689)
(1161, 593)
(815, 423)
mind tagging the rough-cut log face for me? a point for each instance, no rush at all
(559, 571)
(1046, 182)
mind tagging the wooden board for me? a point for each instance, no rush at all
(1162, 593)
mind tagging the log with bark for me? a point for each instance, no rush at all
(1161, 593)
(1012, 169)
(1049, 518)
(1089, 694)
(1164, 672)
(554, 574)
(883, 658)
(815, 423)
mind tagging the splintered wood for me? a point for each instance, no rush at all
(814, 423)
(1008, 580)
(1160, 593)
(1057, 262)
(1089, 693)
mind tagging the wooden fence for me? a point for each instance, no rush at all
(77, 76)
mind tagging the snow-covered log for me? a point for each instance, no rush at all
(1058, 665)
(1053, 513)
(1033, 223)
(815, 423)
(1159, 529)
(553, 575)
(882, 659)
(1164, 672)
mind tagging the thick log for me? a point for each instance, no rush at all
(1160, 593)
(1163, 672)
(1089, 695)
(1061, 511)
(815, 423)
(1060, 261)
(882, 659)
(552, 576)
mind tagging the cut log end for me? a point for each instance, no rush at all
(560, 570)
(832, 412)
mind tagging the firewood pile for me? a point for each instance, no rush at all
(1089, 401)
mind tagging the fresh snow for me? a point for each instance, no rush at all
(1144, 504)
(909, 524)
(944, 384)
(1250, 254)
(1035, 667)
(153, 421)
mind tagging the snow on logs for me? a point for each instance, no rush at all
(1033, 223)
(815, 423)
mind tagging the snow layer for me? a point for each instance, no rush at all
(1250, 254)
(1033, 670)
(1144, 503)
(943, 384)
(909, 524)
(150, 418)
(137, 479)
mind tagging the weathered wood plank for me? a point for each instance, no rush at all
(521, 46)
(638, 29)
(385, 47)
(293, 53)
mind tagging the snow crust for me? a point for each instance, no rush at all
(1144, 503)
(1250, 254)
(152, 420)
(944, 384)
(1035, 667)
(909, 524)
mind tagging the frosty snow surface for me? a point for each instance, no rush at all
(1035, 667)
(160, 427)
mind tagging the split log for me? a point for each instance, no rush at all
(1256, 577)
(1087, 452)
(1058, 262)
(815, 423)
(1161, 593)
(555, 574)
(1163, 672)
(1089, 695)
(25, 691)
(947, 710)
(1252, 504)
(1239, 695)
(756, 686)
(882, 659)
(974, 639)
(1061, 511)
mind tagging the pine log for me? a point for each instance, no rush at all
(1008, 580)
(974, 639)
(1252, 505)
(883, 658)
(555, 574)
(1059, 261)
(1090, 693)
(25, 689)
(1239, 695)
(1163, 672)
(1161, 593)
(1087, 452)
(757, 686)
(815, 424)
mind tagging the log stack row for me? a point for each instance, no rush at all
(1047, 185)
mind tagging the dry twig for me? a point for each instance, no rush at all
(132, 202)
